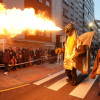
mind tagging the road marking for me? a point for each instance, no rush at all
(56, 86)
(59, 84)
(13, 88)
(82, 89)
(48, 78)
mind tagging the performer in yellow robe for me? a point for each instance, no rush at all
(75, 56)
(69, 60)
(70, 49)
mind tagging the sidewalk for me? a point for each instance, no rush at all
(27, 75)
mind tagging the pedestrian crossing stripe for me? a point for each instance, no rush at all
(59, 84)
(82, 89)
(49, 78)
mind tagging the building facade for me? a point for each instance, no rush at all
(88, 17)
(79, 11)
(88, 14)
(14, 3)
(1, 1)
(73, 12)
(98, 23)
(95, 27)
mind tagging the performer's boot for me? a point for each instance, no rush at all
(68, 73)
(74, 76)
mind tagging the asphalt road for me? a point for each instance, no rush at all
(55, 87)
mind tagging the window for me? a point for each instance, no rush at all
(80, 4)
(80, 14)
(40, 1)
(47, 3)
(72, 19)
(87, 3)
(65, 12)
(65, 1)
(72, 15)
(86, 9)
(76, 19)
(76, 1)
(76, 10)
(72, 8)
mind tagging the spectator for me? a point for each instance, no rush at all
(24, 55)
(1, 56)
(11, 52)
(19, 57)
(32, 51)
(17, 49)
(34, 57)
(29, 53)
(30, 59)
(6, 60)
(13, 61)
(46, 55)
(53, 52)
(37, 53)
(15, 52)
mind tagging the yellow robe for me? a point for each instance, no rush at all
(70, 49)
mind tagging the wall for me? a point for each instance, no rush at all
(14, 3)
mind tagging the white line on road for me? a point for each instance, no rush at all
(56, 86)
(59, 84)
(82, 89)
(49, 78)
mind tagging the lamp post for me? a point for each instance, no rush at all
(90, 25)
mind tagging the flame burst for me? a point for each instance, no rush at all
(15, 21)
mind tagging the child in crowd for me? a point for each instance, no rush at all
(13, 62)
(6, 60)
(30, 59)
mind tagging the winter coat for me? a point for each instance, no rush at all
(6, 57)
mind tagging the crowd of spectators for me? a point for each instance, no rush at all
(17, 55)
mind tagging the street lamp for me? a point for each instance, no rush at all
(90, 25)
